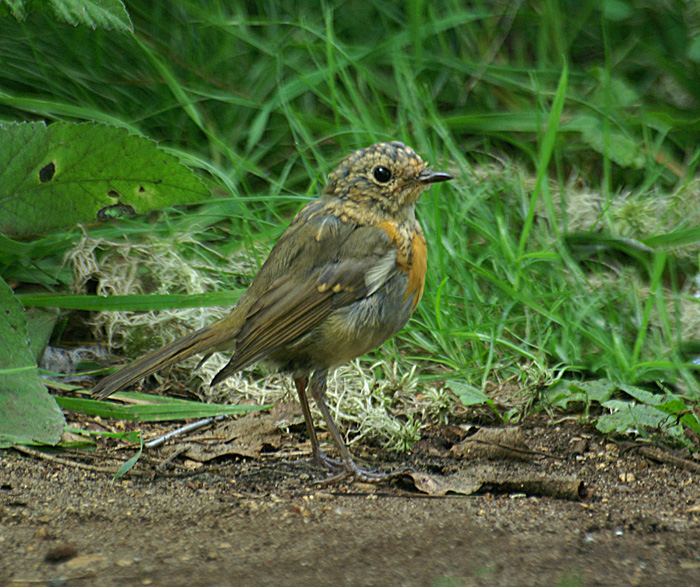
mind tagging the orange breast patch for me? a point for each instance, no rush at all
(418, 267)
(411, 259)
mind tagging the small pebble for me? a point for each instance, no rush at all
(61, 552)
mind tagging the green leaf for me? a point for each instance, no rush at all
(617, 10)
(693, 50)
(28, 414)
(615, 90)
(685, 414)
(106, 14)
(642, 395)
(545, 154)
(676, 238)
(130, 436)
(468, 394)
(257, 128)
(565, 391)
(619, 148)
(17, 8)
(40, 324)
(68, 173)
(131, 462)
(161, 409)
(596, 390)
(626, 415)
(645, 419)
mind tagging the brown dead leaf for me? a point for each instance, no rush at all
(438, 485)
(287, 413)
(493, 443)
(245, 437)
(252, 428)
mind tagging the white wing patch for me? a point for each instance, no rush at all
(377, 275)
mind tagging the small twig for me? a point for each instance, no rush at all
(518, 450)
(47, 457)
(182, 430)
(281, 455)
(661, 456)
(176, 453)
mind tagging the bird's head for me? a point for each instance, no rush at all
(388, 175)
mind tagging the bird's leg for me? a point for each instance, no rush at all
(350, 468)
(318, 455)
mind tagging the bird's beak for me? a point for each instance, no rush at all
(428, 176)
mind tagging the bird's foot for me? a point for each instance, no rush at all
(334, 465)
(351, 471)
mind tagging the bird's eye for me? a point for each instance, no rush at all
(381, 174)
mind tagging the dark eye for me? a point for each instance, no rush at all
(381, 174)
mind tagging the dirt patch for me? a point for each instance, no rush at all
(261, 521)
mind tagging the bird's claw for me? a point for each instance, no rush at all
(350, 470)
(332, 465)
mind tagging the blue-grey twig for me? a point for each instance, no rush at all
(182, 430)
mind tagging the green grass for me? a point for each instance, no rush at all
(567, 245)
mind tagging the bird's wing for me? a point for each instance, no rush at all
(342, 263)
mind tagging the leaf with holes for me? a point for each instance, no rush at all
(62, 174)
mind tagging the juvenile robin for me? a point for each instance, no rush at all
(342, 279)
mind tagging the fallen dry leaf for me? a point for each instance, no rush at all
(245, 437)
(493, 443)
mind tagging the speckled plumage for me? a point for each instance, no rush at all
(343, 278)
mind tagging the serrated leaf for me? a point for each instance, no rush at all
(68, 173)
(28, 414)
(106, 14)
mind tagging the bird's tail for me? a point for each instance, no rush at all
(199, 341)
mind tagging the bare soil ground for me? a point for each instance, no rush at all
(262, 521)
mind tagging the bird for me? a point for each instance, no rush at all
(343, 278)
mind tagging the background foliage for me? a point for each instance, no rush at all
(566, 251)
